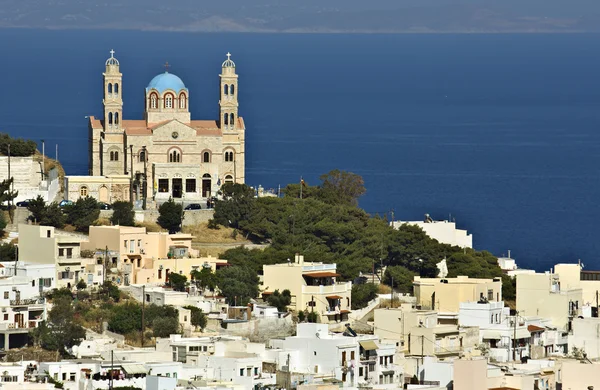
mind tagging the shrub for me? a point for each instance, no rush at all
(123, 214)
(171, 216)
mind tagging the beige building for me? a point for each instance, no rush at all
(543, 295)
(446, 294)
(573, 375)
(313, 286)
(40, 245)
(396, 323)
(180, 158)
(136, 256)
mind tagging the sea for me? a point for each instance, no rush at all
(498, 132)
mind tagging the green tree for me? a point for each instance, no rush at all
(8, 252)
(110, 291)
(509, 288)
(236, 205)
(362, 294)
(19, 147)
(81, 285)
(61, 331)
(3, 222)
(36, 207)
(402, 278)
(165, 326)
(123, 214)
(280, 300)
(153, 311)
(204, 278)
(171, 216)
(238, 284)
(177, 282)
(198, 318)
(7, 196)
(83, 213)
(126, 318)
(53, 215)
(341, 187)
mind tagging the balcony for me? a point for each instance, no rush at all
(337, 288)
(26, 302)
(19, 326)
(446, 350)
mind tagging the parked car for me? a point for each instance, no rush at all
(24, 203)
(104, 206)
(65, 202)
(193, 206)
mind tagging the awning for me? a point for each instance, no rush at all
(322, 275)
(522, 334)
(134, 256)
(388, 372)
(133, 369)
(368, 345)
(533, 328)
(491, 335)
(333, 297)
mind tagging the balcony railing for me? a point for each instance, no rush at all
(26, 302)
(441, 350)
(339, 287)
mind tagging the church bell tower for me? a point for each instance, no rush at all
(113, 98)
(228, 103)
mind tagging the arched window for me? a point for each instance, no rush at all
(174, 156)
(226, 89)
(182, 101)
(114, 155)
(228, 156)
(206, 157)
(83, 191)
(142, 156)
(117, 88)
(110, 118)
(153, 101)
(169, 101)
(109, 88)
(231, 120)
(116, 118)
(232, 89)
(228, 179)
(226, 119)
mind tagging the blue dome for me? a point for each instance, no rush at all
(165, 81)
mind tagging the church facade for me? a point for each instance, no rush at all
(166, 154)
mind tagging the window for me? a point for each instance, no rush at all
(61, 252)
(182, 101)
(48, 234)
(142, 156)
(110, 118)
(5, 317)
(231, 120)
(46, 282)
(159, 275)
(125, 244)
(169, 101)
(69, 253)
(228, 179)
(206, 157)
(228, 156)
(148, 295)
(114, 155)
(83, 191)
(116, 118)
(490, 295)
(33, 283)
(255, 370)
(497, 319)
(153, 101)
(5, 294)
(110, 88)
(232, 89)
(190, 185)
(174, 156)
(226, 89)
(163, 185)
(226, 119)
(241, 372)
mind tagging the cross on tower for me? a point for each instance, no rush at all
(167, 66)
(228, 55)
(112, 53)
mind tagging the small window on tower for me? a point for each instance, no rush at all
(142, 156)
(116, 118)
(226, 89)
(232, 89)
(109, 88)
(206, 157)
(117, 88)
(83, 191)
(226, 119)
(110, 118)
(153, 101)
(182, 101)
(231, 119)
(169, 101)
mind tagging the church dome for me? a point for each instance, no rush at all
(165, 81)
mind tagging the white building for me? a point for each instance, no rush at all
(443, 231)
(586, 336)
(355, 361)
(497, 329)
(28, 181)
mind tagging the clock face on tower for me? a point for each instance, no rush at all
(175, 135)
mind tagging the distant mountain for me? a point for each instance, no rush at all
(418, 16)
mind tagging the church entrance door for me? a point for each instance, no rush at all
(177, 188)
(206, 182)
(103, 194)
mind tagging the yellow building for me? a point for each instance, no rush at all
(136, 256)
(547, 296)
(446, 294)
(313, 286)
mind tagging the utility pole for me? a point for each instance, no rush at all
(43, 159)
(110, 385)
(10, 202)
(143, 307)
(288, 376)
(373, 276)
(131, 174)
(515, 336)
(145, 180)
(392, 305)
(56, 152)
(301, 185)
(104, 265)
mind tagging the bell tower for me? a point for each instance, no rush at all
(113, 97)
(228, 103)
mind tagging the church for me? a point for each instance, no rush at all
(166, 154)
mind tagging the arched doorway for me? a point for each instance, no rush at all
(103, 194)
(206, 185)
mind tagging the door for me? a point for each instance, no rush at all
(19, 321)
(177, 188)
(206, 183)
(103, 194)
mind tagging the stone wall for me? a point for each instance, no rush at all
(190, 217)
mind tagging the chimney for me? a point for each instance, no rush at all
(297, 258)
(301, 259)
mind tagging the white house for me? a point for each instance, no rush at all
(443, 231)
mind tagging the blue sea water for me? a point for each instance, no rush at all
(498, 131)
